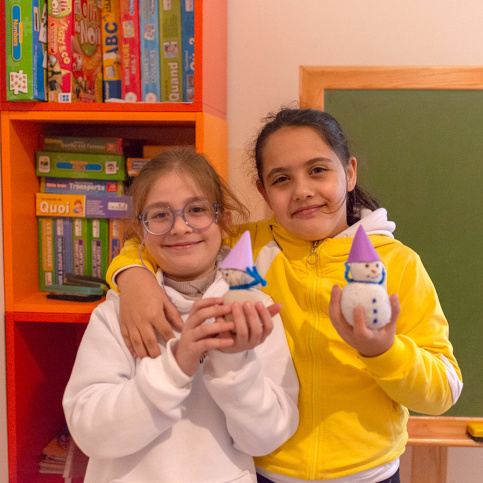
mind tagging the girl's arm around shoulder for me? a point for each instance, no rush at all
(114, 404)
(420, 370)
(257, 390)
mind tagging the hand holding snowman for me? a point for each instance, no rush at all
(366, 276)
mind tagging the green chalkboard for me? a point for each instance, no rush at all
(420, 153)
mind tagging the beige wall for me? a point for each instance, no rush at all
(269, 39)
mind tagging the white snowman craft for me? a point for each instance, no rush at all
(241, 275)
(365, 274)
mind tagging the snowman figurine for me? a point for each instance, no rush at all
(240, 274)
(365, 274)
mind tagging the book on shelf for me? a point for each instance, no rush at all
(83, 206)
(64, 257)
(46, 243)
(77, 144)
(117, 236)
(100, 187)
(79, 165)
(188, 49)
(26, 45)
(135, 165)
(111, 54)
(170, 46)
(149, 49)
(99, 238)
(130, 50)
(81, 246)
(62, 456)
(74, 51)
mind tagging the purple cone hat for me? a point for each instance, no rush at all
(362, 249)
(240, 256)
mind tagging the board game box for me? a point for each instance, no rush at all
(79, 165)
(26, 44)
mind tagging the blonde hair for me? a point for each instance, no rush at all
(196, 166)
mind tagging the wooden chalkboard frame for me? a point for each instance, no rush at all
(429, 436)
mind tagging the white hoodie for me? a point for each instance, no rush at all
(146, 421)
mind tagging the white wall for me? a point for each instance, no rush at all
(269, 39)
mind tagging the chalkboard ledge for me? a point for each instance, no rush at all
(440, 431)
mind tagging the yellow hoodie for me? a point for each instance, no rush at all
(353, 409)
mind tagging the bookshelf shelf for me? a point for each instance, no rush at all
(42, 335)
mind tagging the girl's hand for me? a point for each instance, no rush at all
(368, 342)
(253, 324)
(144, 308)
(197, 338)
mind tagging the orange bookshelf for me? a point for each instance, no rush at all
(42, 335)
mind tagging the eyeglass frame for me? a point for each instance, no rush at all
(180, 212)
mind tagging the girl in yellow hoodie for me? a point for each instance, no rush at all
(356, 384)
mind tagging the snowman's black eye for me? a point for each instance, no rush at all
(367, 265)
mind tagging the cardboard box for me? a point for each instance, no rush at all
(74, 51)
(74, 144)
(111, 54)
(82, 246)
(64, 248)
(46, 252)
(117, 236)
(188, 49)
(130, 50)
(149, 48)
(99, 238)
(170, 46)
(79, 165)
(26, 44)
(134, 165)
(83, 206)
(98, 187)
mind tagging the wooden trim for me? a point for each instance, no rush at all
(441, 431)
(315, 79)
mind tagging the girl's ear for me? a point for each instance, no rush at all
(351, 173)
(261, 189)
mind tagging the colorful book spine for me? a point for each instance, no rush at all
(134, 165)
(81, 186)
(74, 51)
(63, 234)
(111, 55)
(26, 43)
(130, 50)
(87, 52)
(149, 48)
(80, 165)
(99, 238)
(117, 236)
(73, 144)
(46, 252)
(170, 47)
(59, 49)
(83, 206)
(188, 49)
(151, 150)
(81, 246)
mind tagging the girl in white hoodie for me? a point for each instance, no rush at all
(220, 392)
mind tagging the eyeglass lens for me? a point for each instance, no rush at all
(199, 214)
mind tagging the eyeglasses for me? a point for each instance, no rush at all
(159, 220)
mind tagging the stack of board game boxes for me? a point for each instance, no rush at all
(81, 207)
(100, 50)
